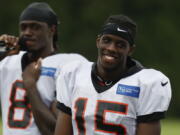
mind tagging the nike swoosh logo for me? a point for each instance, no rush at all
(118, 29)
(163, 84)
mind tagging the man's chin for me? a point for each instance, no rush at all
(31, 50)
(110, 67)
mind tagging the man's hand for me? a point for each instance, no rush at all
(31, 74)
(11, 43)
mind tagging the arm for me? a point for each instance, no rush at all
(153, 102)
(54, 109)
(64, 103)
(45, 119)
(64, 124)
(149, 128)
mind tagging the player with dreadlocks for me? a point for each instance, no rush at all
(27, 109)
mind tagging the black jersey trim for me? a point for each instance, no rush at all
(151, 117)
(64, 108)
(133, 67)
(24, 61)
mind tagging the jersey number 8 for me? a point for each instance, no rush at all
(22, 104)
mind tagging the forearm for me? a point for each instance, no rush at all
(64, 124)
(149, 128)
(43, 116)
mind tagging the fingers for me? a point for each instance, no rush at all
(9, 40)
(38, 63)
(35, 65)
(11, 43)
(15, 50)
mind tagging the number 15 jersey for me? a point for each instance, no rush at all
(140, 97)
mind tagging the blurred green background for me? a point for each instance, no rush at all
(158, 42)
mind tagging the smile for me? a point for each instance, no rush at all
(109, 57)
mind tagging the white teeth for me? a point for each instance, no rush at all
(109, 57)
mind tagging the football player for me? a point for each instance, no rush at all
(28, 110)
(115, 95)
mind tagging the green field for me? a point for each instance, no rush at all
(169, 127)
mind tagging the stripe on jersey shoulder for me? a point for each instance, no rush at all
(48, 71)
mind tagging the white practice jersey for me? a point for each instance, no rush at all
(116, 110)
(51, 68)
(17, 116)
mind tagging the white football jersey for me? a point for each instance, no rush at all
(51, 68)
(115, 110)
(17, 116)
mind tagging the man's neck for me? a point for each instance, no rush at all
(110, 75)
(34, 56)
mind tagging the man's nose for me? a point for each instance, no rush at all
(111, 46)
(27, 31)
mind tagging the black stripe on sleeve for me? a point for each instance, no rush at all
(64, 108)
(151, 117)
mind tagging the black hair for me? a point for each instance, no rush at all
(55, 39)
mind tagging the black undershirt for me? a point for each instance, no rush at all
(26, 60)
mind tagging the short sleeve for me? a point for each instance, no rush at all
(46, 88)
(64, 88)
(154, 99)
(69, 58)
(46, 82)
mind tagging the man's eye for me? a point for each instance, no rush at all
(121, 45)
(106, 40)
(23, 27)
(35, 27)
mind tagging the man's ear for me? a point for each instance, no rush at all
(97, 41)
(53, 29)
(131, 50)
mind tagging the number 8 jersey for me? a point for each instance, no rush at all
(17, 115)
(142, 95)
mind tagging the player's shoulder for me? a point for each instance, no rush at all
(12, 58)
(15, 56)
(155, 92)
(77, 66)
(151, 76)
(64, 56)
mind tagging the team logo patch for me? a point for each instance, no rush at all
(132, 91)
(46, 71)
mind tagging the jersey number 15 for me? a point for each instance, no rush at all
(102, 107)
